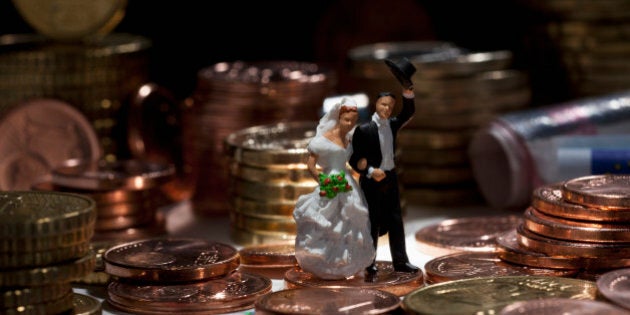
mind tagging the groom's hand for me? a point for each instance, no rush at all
(378, 174)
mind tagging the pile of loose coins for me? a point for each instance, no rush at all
(128, 196)
(175, 275)
(44, 247)
(267, 172)
(580, 223)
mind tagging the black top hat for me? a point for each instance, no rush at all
(403, 70)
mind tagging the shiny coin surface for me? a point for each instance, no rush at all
(475, 234)
(610, 191)
(466, 265)
(399, 283)
(235, 292)
(85, 305)
(39, 135)
(615, 286)
(103, 175)
(268, 255)
(71, 19)
(327, 301)
(554, 306)
(488, 295)
(171, 260)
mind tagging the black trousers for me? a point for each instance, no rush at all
(383, 200)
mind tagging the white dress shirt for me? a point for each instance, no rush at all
(386, 140)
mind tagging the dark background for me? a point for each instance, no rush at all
(189, 35)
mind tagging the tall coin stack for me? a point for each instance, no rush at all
(591, 39)
(580, 224)
(231, 96)
(456, 92)
(74, 57)
(267, 174)
(128, 196)
(44, 247)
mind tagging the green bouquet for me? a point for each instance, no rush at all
(333, 184)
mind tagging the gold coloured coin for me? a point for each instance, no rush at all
(327, 301)
(67, 271)
(554, 306)
(13, 297)
(488, 295)
(170, 260)
(398, 283)
(86, 305)
(70, 20)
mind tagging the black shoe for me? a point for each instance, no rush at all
(371, 269)
(406, 267)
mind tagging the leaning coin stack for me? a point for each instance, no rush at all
(581, 224)
(456, 91)
(44, 247)
(128, 198)
(232, 96)
(180, 275)
(591, 38)
(267, 174)
(74, 56)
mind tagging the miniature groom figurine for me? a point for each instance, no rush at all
(374, 146)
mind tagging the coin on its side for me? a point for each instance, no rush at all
(69, 20)
(39, 135)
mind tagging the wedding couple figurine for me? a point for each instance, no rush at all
(339, 223)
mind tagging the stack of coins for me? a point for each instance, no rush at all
(456, 92)
(581, 223)
(95, 77)
(267, 173)
(231, 96)
(74, 56)
(162, 275)
(271, 260)
(128, 196)
(591, 39)
(44, 247)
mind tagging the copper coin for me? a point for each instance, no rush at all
(575, 230)
(234, 292)
(465, 265)
(615, 286)
(609, 191)
(399, 283)
(548, 199)
(512, 251)
(553, 306)
(327, 301)
(269, 255)
(39, 135)
(474, 234)
(556, 247)
(171, 260)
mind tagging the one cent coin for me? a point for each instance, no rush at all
(171, 260)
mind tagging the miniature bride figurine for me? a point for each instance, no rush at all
(333, 238)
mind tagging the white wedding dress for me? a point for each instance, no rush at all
(333, 235)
